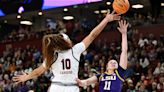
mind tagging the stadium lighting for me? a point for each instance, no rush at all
(65, 9)
(5, 21)
(137, 6)
(68, 17)
(31, 91)
(18, 16)
(108, 3)
(97, 12)
(103, 11)
(75, 6)
(40, 13)
(26, 22)
(21, 9)
(162, 4)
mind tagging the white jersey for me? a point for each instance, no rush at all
(65, 68)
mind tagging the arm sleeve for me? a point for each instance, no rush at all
(121, 71)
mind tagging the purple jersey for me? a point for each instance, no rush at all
(111, 82)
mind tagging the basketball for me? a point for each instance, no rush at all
(121, 6)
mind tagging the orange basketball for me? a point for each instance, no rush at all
(121, 6)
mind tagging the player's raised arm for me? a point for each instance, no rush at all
(35, 73)
(123, 30)
(96, 31)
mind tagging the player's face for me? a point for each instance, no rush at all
(112, 65)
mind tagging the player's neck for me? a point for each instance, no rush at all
(110, 71)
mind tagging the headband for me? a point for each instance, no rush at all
(65, 36)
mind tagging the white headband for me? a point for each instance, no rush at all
(65, 36)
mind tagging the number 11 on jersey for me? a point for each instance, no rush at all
(107, 85)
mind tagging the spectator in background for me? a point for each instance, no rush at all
(157, 69)
(142, 41)
(144, 62)
(51, 24)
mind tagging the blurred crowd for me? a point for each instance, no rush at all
(145, 71)
(72, 28)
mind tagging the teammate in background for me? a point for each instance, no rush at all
(62, 58)
(112, 79)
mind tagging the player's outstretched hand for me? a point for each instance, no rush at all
(80, 82)
(20, 78)
(112, 17)
(123, 25)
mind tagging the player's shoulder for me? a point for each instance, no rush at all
(121, 68)
(100, 75)
(78, 44)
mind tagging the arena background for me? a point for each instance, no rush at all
(23, 23)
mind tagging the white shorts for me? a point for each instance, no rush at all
(63, 88)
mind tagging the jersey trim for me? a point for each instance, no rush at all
(74, 56)
(122, 79)
(56, 55)
(62, 84)
(100, 77)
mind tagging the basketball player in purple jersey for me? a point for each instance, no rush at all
(112, 80)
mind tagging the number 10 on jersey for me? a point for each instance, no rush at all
(66, 64)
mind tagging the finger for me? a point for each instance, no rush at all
(119, 23)
(108, 11)
(17, 82)
(118, 28)
(18, 75)
(113, 12)
(24, 73)
(116, 17)
(127, 24)
(78, 80)
(118, 14)
(124, 22)
(15, 78)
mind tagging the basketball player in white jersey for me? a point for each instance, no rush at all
(62, 58)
